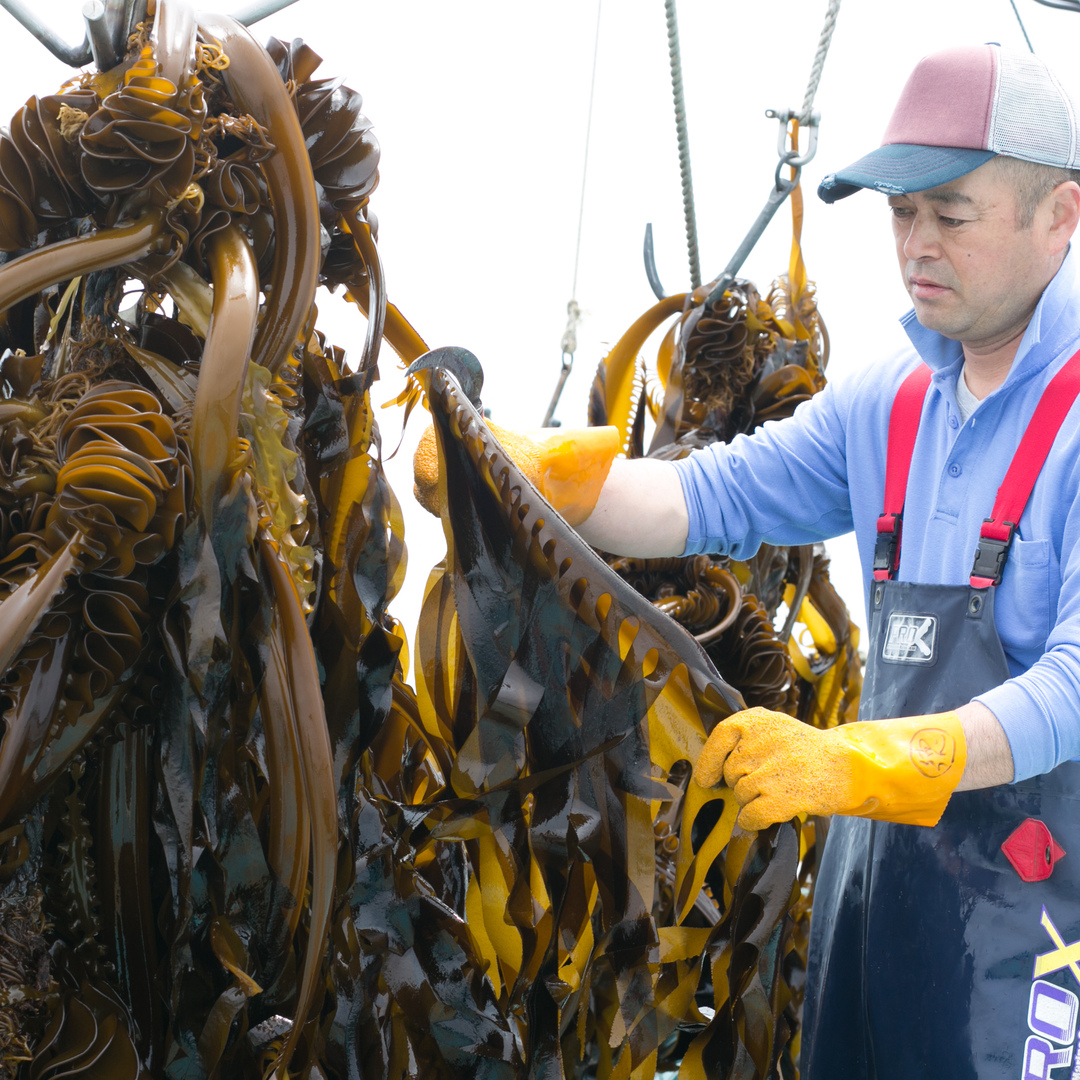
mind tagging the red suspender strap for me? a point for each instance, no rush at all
(996, 533)
(903, 427)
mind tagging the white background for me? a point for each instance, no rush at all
(481, 112)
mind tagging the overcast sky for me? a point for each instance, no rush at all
(481, 112)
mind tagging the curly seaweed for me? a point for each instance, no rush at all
(235, 840)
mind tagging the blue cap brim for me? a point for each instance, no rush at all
(901, 168)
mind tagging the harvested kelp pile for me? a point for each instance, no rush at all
(234, 840)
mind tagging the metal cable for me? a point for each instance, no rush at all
(585, 164)
(684, 143)
(573, 309)
(819, 61)
(1023, 29)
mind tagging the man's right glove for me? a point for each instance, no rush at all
(568, 468)
(902, 770)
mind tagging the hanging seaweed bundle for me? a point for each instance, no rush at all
(773, 625)
(233, 839)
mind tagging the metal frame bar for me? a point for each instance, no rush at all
(108, 24)
(1061, 5)
(75, 55)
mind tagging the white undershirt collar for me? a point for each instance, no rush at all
(966, 401)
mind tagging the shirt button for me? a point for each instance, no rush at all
(954, 469)
(953, 422)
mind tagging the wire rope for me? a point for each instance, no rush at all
(573, 309)
(585, 164)
(689, 215)
(1023, 29)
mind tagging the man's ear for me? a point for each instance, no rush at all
(1065, 207)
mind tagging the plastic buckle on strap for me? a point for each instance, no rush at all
(991, 552)
(887, 546)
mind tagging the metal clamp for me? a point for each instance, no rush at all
(812, 125)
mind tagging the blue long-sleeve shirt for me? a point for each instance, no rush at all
(822, 473)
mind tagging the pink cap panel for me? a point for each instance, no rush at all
(948, 100)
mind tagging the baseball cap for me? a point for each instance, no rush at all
(958, 109)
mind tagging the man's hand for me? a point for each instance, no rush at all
(900, 770)
(568, 467)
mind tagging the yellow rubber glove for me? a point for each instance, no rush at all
(901, 770)
(568, 468)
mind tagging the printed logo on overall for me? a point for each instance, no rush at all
(910, 638)
(1052, 1010)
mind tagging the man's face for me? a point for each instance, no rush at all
(970, 272)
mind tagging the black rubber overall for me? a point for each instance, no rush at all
(923, 941)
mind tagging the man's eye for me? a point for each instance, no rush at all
(900, 211)
(951, 222)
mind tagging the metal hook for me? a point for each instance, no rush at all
(564, 374)
(650, 265)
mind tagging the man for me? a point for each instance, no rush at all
(939, 948)
(945, 937)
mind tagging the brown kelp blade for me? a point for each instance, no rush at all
(30, 273)
(320, 791)
(257, 88)
(224, 362)
(579, 709)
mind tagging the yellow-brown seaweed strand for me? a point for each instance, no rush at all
(174, 40)
(24, 608)
(20, 613)
(619, 377)
(30, 273)
(256, 88)
(364, 243)
(320, 790)
(290, 839)
(224, 363)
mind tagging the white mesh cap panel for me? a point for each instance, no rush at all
(1033, 117)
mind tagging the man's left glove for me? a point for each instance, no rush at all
(901, 770)
(567, 467)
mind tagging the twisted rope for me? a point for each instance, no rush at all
(684, 144)
(819, 61)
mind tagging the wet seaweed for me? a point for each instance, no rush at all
(236, 841)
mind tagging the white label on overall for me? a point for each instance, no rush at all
(910, 638)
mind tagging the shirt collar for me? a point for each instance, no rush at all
(1052, 327)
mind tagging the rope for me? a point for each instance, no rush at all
(1023, 29)
(819, 61)
(684, 144)
(585, 165)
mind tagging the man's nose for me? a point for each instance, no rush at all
(921, 241)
